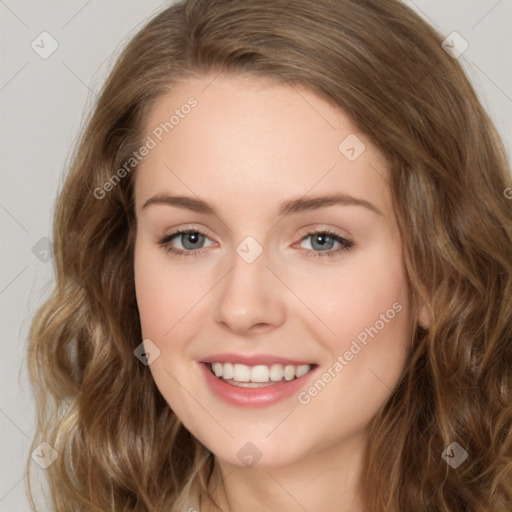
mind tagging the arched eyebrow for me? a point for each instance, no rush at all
(295, 205)
(303, 204)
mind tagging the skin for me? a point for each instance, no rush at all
(248, 145)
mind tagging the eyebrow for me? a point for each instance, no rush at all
(296, 205)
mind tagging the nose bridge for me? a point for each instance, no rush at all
(249, 294)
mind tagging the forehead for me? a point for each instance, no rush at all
(229, 137)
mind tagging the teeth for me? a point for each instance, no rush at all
(227, 370)
(259, 373)
(276, 372)
(289, 372)
(241, 373)
(302, 370)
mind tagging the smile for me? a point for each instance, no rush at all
(255, 384)
(259, 375)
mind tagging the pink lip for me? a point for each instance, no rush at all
(253, 360)
(253, 397)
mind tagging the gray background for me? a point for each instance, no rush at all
(42, 103)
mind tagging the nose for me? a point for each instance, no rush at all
(250, 298)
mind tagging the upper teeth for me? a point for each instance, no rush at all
(259, 373)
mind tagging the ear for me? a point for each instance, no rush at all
(424, 318)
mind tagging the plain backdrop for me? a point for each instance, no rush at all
(43, 99)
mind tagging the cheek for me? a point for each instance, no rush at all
(160, 295)
(367, 346)
(163, 300)
(165, 290)
(369, 292)
(371, 319)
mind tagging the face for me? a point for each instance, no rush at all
(291, 262)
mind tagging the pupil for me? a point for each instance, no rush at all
(322, 241)
(191, 239)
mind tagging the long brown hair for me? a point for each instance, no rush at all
(120, 446)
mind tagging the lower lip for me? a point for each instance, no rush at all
(253, 397)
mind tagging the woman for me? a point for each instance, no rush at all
(344, 321)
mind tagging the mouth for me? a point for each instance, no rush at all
(257, 376)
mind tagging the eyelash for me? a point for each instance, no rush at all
(346, 244)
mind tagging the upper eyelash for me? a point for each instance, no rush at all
(346, 244)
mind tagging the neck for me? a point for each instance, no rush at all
(325, 480)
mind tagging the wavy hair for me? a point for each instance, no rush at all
(120, 446)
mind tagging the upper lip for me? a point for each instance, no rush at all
(253, 360)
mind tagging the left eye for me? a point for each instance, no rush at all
(321, 241)
(324, 241)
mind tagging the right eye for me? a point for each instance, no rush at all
(190, 240)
